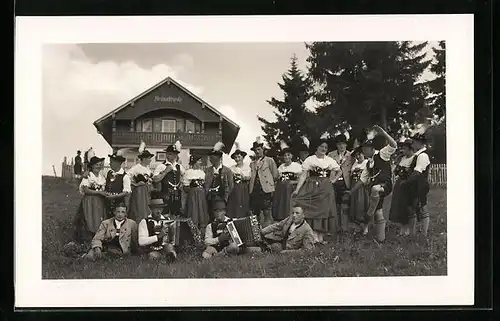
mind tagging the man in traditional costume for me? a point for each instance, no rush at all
(154, 232)
(219, 179)
(291, 234)
(170, 175)
(116, 236)
(264, 174)
(118, 187)
(377, 176)
(218, 241)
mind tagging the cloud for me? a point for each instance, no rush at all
(77, 91)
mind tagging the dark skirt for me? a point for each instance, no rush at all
(282, 200)
(196, 206)
(317, 199)
(139, 203)
(91, 212)
(78, 169)
(359, 202)
(239, 201)
(402, 202)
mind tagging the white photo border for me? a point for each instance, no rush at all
(457, 288)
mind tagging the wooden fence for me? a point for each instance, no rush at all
(437, 172)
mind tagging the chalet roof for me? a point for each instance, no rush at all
(166, 80)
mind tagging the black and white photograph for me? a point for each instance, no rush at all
(319, 158)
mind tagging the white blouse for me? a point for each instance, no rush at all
(191, 174)
(406, 161)
(294, 167)
(243, 171)
(92, 180)
(138, 169)
(358, 165)
(324, 163)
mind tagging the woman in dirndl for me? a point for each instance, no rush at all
(315, 193)
(196, 201)
(288, 175)
(141, 182)
(359, 200)
(92, 209)
(239, 200)
(402, 193)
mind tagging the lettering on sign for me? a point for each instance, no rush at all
(168, 99)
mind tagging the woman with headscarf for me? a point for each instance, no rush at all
(315, 193)
(239, 199)
(141, 183)
(196, 201)
(402, 192)
(288, 175)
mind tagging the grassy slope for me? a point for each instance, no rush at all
(347, 257)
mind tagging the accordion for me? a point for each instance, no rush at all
(245, 230)
(183, 232)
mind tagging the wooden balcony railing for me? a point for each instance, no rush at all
(162, 139)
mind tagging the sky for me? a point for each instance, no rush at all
(82, 82)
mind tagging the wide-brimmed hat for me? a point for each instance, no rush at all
(174, 148)
(219, 205)
(367, 143)
(145, 154)
(156, 202)
(340, 139)
(257, 143)
(407, 143)
(356, 151)
(238, 151)
(217, 150)
(194, 158)
(95, 160)
(420, 138)
(117, 156)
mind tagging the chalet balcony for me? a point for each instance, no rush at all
(127, 138)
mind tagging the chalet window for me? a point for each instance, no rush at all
(168, 125)
(138, 126)
(197, 127)
(157, 125)
(190, 126)
(147, 125)
(180, 125)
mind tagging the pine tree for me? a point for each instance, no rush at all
(292, 117)
(362, 84)
(437, 101)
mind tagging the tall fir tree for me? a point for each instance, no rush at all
(292, 117)
(437, 101)
(362, 84)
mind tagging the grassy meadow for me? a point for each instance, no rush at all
(347, 256)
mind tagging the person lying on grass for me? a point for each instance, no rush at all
(153, 233)
(289, 235)
(217, 238)
(116, 236)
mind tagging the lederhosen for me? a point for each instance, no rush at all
(172, 193)
(421, 189)
(113, 245)
(259, 200)
(216, 191)
(217, 229)
(114, 185)
(340, 187)
(156, 246)
(380, 174)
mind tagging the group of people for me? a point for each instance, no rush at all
(316, 191)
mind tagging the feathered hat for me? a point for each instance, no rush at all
(95, 160)
(257, 143)
(419, 134)
(217, 149)
(118, 155)
(405, 142)
(143, 152)
(194, 158)
(284, 148)
(90, 153)
(175, 148)
(342, 137)
(238, 151)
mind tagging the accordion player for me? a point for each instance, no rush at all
(245, 231)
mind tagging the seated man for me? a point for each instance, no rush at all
(291, 234)
(217, 238)
(115, 236)
(153, 233)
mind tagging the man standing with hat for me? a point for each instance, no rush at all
(420, 178)
(264, 174)
(217, 238)
(153, 232)
(170, 174)
(117, 188)
(378, 177)
(218, 179)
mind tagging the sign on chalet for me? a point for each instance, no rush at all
(163, 114)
